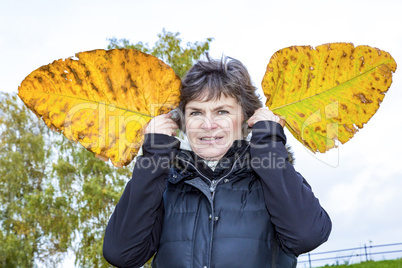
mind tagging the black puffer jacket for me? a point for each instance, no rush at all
(254, 210)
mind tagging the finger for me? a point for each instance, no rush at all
(169, 124)
(264, 115)
(253, 120)
(162, 125)
(162, 120)
(166, 131)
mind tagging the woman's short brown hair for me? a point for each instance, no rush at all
(227, 76)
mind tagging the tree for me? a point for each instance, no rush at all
(33, 217)
(93, 187)
(168, 48)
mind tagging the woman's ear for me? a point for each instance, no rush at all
(245, 129)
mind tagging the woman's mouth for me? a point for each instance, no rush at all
(210, 138)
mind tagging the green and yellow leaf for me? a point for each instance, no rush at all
(327, 93)
(103, 99)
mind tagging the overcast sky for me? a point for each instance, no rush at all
(359, 184)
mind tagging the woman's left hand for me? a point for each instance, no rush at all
(263, 114)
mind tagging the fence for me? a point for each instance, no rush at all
(350, 255)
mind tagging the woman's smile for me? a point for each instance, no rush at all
(208, 138)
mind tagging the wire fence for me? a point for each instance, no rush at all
(350, 255)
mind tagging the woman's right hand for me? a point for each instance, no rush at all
(262, 114)
(162, 124)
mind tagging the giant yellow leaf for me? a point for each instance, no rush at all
(103, 99)
(327, 93)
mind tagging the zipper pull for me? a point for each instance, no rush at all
(213, 186)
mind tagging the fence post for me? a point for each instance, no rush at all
(365, 251)
(309, 259)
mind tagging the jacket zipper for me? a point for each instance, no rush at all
(212, 188)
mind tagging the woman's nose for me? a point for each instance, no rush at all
(208, 123)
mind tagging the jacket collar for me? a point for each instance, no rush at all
(189, 161)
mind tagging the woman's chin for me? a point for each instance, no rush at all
(213, 154)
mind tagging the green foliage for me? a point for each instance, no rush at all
(28, 204)
(95, 187)
(168, 48)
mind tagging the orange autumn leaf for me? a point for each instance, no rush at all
(102, 99)
(327, 93)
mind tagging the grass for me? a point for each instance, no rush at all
(373, 264)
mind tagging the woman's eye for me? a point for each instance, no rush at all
(195, 113)
(220, 112)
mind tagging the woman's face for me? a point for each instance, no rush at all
(212, 126)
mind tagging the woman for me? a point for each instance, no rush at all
(223, 202)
